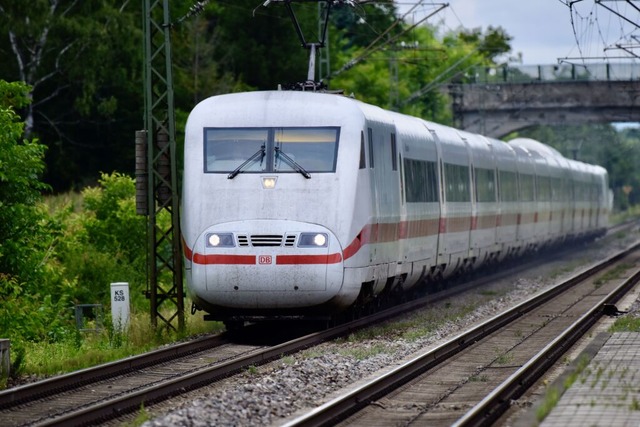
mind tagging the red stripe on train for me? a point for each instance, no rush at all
(308, 259)
(224, 259)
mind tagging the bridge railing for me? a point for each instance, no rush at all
(558, 72)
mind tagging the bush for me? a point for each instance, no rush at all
(32, 288)
(105, 242)
(51, 260)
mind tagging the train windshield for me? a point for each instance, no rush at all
(227, 149)
(282, 150)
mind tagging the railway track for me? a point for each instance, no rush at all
(472, 378)
(108, 391)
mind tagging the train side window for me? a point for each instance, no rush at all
(457, 178)
(556, 187)
(485, 185)
(527, 189)
(363, 161)
(543, 188)
(421, 185)
(394, 160)
(370, 135)
(508, 186)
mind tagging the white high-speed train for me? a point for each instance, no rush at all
(302, 204)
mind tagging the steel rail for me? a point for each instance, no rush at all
(129, 402)
(498, 401)
(68, 382)
(347, 404)
(17, 395)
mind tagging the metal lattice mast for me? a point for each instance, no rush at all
(324, 66)
(164, 259)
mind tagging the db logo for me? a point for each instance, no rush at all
(265, 259)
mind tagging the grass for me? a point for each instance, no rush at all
(626, 324)
(553, 393)
(632, 212)
(479, 378)
(566, 268)
(288, 360)
(80, 350)
(141, 417)
(504, 359)
(363, 353)
(551, 398)
(415, 326)
(614, 273)
(57, 202)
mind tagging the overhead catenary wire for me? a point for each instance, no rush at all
(370, 49)
(436, 81)
(586, 27)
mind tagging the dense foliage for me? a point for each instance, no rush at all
(53, 258)
(32, 292)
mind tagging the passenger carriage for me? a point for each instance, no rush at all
(301, 204)
(508, 203)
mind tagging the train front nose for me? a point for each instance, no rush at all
(267, 264)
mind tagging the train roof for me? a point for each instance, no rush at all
(287, 103)
(535, 146)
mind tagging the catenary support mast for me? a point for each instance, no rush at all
(164, 256)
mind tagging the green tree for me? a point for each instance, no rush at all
(423, 64)
(32, 290)
(82, 61)
(105, 242)
(491, 44)
(21, 163)
(258, 45)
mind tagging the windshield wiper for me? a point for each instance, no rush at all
(292, 163)
(260, 153)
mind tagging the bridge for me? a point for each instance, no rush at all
(504, 99)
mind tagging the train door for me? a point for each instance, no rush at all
(471, 254)
(442, 208)
(420, 201)
(484, 200)
(455, 220)
(593, 202)
(385, 201)
(373, 221)
(389, 208)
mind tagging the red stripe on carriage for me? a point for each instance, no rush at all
(353, 247)
(224, 259)
(308, 259)
(442, 228)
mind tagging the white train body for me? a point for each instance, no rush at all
(388, 201)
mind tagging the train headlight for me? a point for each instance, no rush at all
(315, 240)
(220, 240)
(269, 182)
